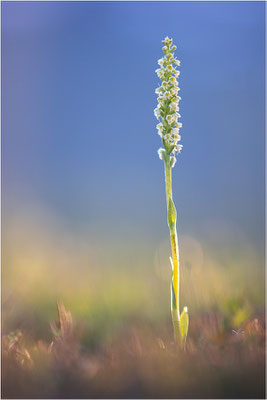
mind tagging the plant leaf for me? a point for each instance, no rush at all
(184, 322)
(171, 214)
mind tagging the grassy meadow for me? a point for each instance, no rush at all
(86, 305)
(87, 315)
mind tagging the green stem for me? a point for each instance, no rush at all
(175, 250)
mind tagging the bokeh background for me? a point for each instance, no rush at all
(83, 202)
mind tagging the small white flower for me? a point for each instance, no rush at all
(173, 80)
(161, 61)
(174, 91)
(173, 106)
(161, 153)
(169, 118)
(175, 131)
(179, 148)
(173, 161)
(168, 95)
(160, 72)
(167, 41)
(157, 112)
(176, 138)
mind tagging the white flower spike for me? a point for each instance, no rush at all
(168, 100)
(168, 128)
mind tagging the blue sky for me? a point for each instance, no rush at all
(78, 130)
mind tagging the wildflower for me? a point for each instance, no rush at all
(179, 148)
(160, 126)
(173, 161)
(167, 41)
(157, 112)
(173, 81)
(169, 131)
(174, 107)
(175, 131)
(161, 153)
(172, 119)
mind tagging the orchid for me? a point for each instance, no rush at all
(168, 128)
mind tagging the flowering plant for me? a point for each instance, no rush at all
(167, 112)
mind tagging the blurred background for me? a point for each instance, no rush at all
(83, 201)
